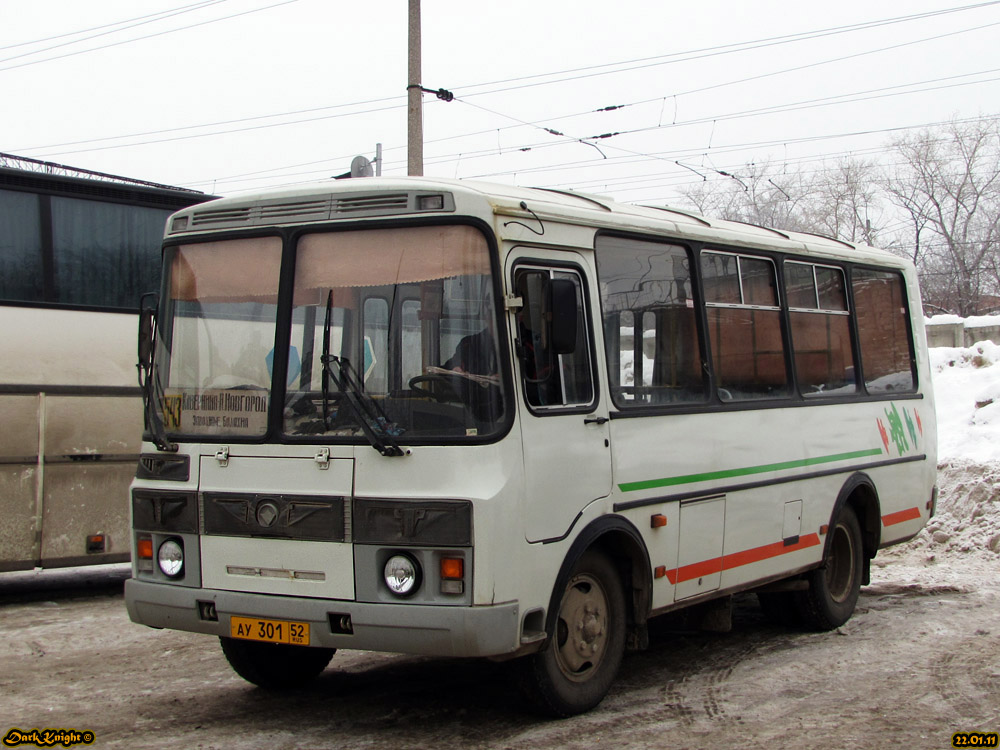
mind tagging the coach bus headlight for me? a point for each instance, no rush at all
(171, 558)
(402, 575)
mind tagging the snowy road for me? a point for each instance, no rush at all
(919, 661)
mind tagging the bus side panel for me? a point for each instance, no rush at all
(96, 427)
(18, 480)
(91, 449)
(82, 500)
(17, 499)
(746, 462)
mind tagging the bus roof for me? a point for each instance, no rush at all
(372, 197)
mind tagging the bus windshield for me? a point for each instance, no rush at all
(392, 337)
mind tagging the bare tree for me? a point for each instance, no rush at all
(847, 201)
(844, 201)
(758, 194)
(947, 182)
(942, 194)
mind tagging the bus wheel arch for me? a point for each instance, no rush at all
(860, 494)
(598, 607)
(622, 543)
(851, 541)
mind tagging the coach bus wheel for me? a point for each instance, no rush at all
(275, 666)
(834, 587)
(575, 671)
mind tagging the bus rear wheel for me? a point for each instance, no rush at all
(275, 666)
(576, 669)
(835, 586)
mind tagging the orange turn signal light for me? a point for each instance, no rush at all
(144, 547)
(452, 568)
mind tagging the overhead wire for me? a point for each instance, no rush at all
(865, 95)
(596, 70)
(723, 49)
(184, 8)
(147, 36)
(823, 101)
(698, 54)
(632, 180)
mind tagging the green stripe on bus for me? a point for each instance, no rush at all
(650, 484)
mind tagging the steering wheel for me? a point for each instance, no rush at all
(438, 387)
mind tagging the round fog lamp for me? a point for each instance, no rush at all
(171, 558)
(401, 575)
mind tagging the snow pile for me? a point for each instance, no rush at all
(967, 394)
(968, 512)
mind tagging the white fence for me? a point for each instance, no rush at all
(950, 330)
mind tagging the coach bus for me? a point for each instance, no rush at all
(456, 419)
(77, 249)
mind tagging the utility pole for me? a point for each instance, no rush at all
(415, 117)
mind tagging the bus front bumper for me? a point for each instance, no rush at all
(402, 628)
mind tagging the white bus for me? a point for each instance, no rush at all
(459, 419)
(76, 251)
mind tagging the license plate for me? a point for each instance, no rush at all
(269, 631)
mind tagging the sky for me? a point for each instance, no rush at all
(230, 96)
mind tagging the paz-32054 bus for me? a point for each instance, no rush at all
(457, 419)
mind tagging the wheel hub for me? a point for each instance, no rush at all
(583, 628)
(589, 629)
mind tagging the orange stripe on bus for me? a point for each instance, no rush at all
(904, 515)
(738, 559)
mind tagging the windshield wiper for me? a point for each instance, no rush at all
(371, 418)
(149, 379)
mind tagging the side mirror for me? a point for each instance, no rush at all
(147, 329)
(562, 305)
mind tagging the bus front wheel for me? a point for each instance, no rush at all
(834, 587)
(575, 671)
(275, 666)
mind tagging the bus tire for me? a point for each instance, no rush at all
(576, 669)
(834, 587)
(275, 666)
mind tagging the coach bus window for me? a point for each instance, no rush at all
(651, 330)
(821, 337)
(883, 331)
(744, 326)
(106, 254)
(20, 247)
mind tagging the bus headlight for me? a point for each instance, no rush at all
(402, 575)
(170, 558)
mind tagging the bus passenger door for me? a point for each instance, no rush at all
(563, 414)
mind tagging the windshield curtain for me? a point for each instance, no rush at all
(216, 343)
(395, 327)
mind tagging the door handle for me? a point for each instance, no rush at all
(595, 420)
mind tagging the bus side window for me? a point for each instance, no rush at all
(820, 329)
(653, 349)
(744, 326)
(883, 331)
(551, 378)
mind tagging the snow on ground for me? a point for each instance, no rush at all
(967, 391)
(967, 522)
